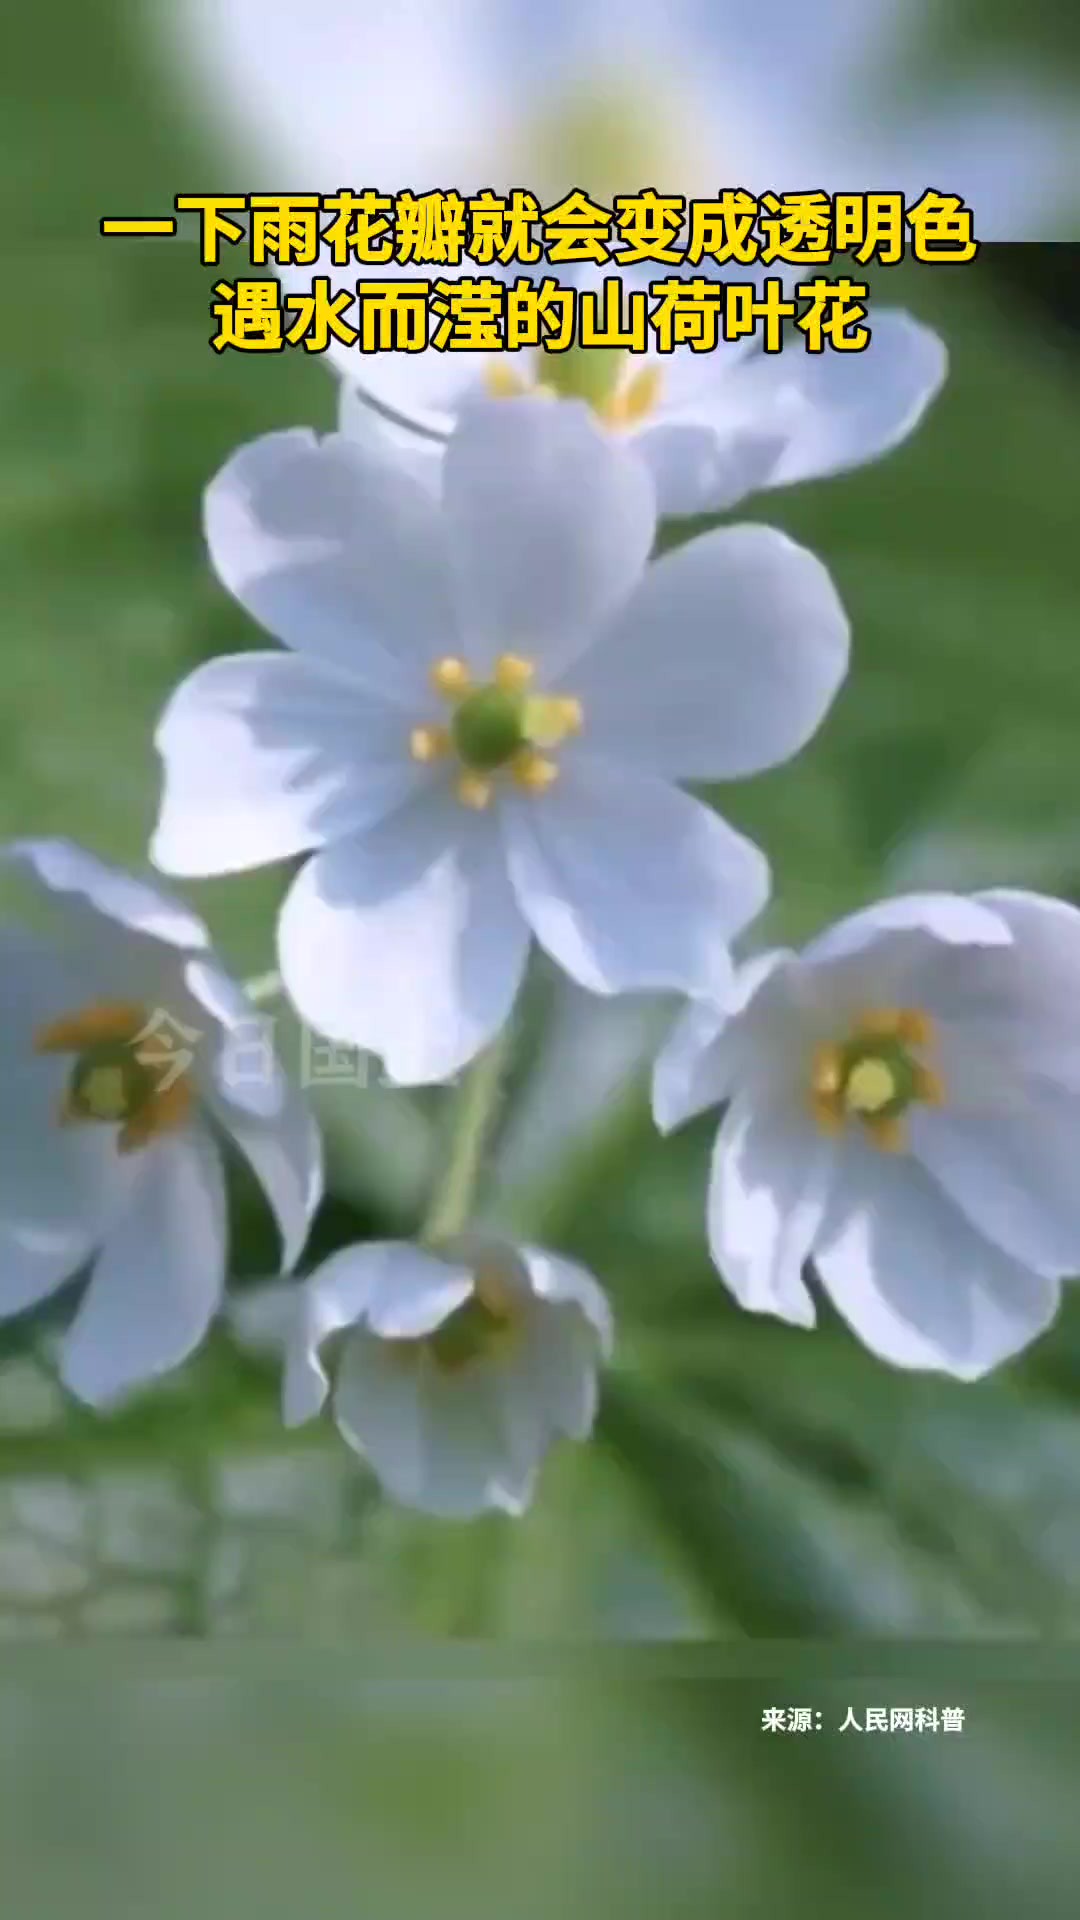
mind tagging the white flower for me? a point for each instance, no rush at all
(904, 1112)
(478, 731)
(123, 1048)
(711, 427)
(456, 1370)
(675, 94)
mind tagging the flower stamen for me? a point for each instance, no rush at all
(113, 1083)
(429, 743)
(474, 791)
(450, 677)
(874, 1077)
(496, 727)
(533, 771)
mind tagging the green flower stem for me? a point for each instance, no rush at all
(473, 1111)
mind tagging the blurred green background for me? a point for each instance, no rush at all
(746, 1481)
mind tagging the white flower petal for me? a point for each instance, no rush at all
(850, 407)
(337, 552)
(33, 1263)
(358, 420)
(564, 1282)
(550, 522)
(947, 917)
(1012, 1171)
(724, 661)
(397, 1290)
(238, 1065)
(407, 942)
(378, 1413)
(469, 1466)
(700, 1061)
(89, 888)
(917, 1283)
(630, 884)
(767, 1191)
(285, 1155)
(159, 1277)
(267, 755)
(706, 466)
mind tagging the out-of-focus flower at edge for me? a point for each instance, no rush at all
(712, 428)
(455, 1369)
(124, 1048)
(479, 732)
(904, 1106)
(681, 95)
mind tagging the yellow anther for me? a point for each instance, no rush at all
(878, 1022)
(915, 1027)
(164, 1113)
(504, 382)
(532, 771)
(887, 1131)
(104, 1020)
(929, 1087)
(474, 791)
(429, 743)
(827, 1071)
(550, 717)
(635, 399)
(513, 672)
(870, 1086)
(450, 677)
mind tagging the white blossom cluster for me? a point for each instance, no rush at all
(474, 734)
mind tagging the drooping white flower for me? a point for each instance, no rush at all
(454, 1371)
(476, 735)
(125, 1050)
(904, 1112)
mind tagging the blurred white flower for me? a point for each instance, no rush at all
(478, 732)
(455, 1370)
(683, 95)
(712, 427)
(904, 1111)
(123, 1049)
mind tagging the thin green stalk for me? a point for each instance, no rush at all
(473, 1111)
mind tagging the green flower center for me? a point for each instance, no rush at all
(468, 1334)
(108, 1083)
(488, 728)
(879, 1079)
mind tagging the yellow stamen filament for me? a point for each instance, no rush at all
(107, 1020)
(512, 672)
(532, 771)
(635, 399)
(429, 743)
(474, 791)
(450, 677)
